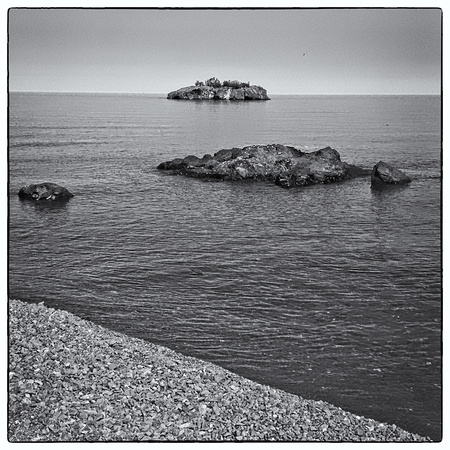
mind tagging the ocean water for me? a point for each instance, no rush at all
(331, 292)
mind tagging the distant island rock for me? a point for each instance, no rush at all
(285, 166)
(213, 89)
(44, 192)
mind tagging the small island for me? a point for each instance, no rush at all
(213, 89)
(284, 165)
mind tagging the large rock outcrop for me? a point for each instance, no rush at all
(219, 93)
(44, 192)
(383, 174)
(285, 166)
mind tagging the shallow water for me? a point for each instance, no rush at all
(331, 292)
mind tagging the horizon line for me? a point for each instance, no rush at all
(164, 93)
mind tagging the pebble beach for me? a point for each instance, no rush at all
(71, 380)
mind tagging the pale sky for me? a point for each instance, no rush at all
(287, 51)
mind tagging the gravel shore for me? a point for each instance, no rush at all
(71, 380)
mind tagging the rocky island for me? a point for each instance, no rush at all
(284, 165)
(213, 89)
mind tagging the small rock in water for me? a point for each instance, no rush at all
(385, 174)
(44, 192)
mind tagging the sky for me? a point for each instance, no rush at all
(287, 51)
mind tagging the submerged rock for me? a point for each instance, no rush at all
(44, 192)
(285, 166)
(384, 174)
(219, 93)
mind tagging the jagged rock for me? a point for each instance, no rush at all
(384, 174)
(285, 166)
(44, 192)
(219, 93)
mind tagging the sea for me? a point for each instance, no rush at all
(330, 292)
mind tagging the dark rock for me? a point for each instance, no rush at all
(44, 192)
(219, 93)
(385, 174)
(285, 166)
